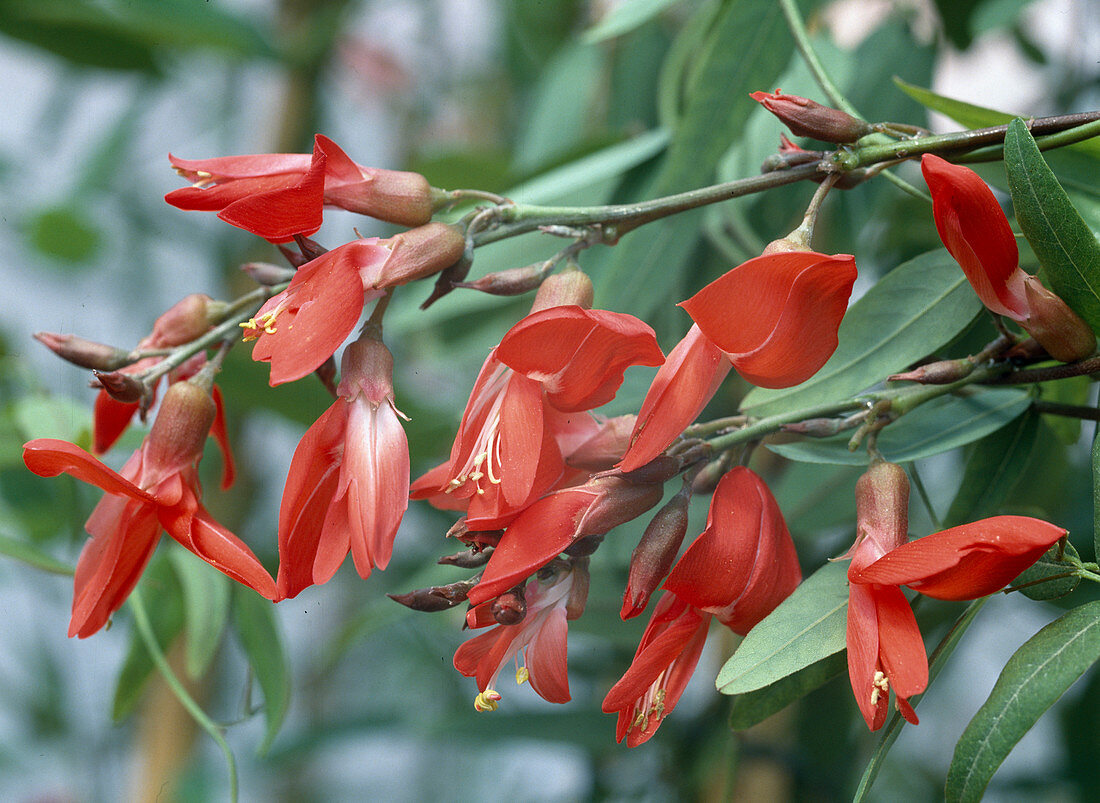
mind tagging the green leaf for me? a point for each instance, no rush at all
(1033, 679)
(1096, 492)
(254, 618)
(912, 311)
(65, 233)
(936, 426)
(159, 585)
(1067, 249)
(807, 627)
(993, 468)
(753, 707)
(1071, 390)
(747, 48)
(50, 417)
(205, 607)
(32, 556)
(971, 116)
(1052, 563)
(625, 17)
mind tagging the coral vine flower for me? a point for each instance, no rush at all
(789, 309)
(684, 384)
(662, 666)
(965, 562)
(301, 327)
(277, 196)
(540, 636)
(976, 232)
(348, 484)
(517, 424)
(744, 563)
(157, 487)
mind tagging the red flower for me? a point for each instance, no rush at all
(788, 309)
(158, 487)
(976, 232)
(662, 667)
(744, 563)
(277, 196)
(550, 525)
(517, 424)
(965, 562)
(348, 484)
(301, 327)
(684, 384)
(540, 636)
(885, 649)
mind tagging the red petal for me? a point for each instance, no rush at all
(339, 167)
(681, 389)
(578, 355)
(278, 214)
(862, 639)
(110, 418)
(793, 303)
(48, 457)
(219, 547)
(975, 230)
(547, 660)
(218, 430)
(227, 168)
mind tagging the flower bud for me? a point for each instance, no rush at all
(578, 591)
(882, 514)
(421, 252)
(435, 598)
(655, 553)
(267, 274)
(511, 282)
(659, 470)
(121, 387)
(181, 426)
(450, 277)
(808, 118)
(184, 321)
(1055, 326)
(467, 558)
(617, 502)
(510, 607)
(943, 372)
(395, 196)
(85, 353)
(560, 289)
(815, 427)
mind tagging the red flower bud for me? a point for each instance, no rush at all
(655, 554)
(85, 353)
(808, 118)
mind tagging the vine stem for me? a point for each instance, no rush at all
(145, 630)
(802, 41)
(935, 664)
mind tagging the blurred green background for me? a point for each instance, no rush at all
(495, 95)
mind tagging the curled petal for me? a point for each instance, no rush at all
(976, 232)
(221, 435)
(578, 355)
(684, 384)
(965, 562)
(48, 457)
(228, 168)
(791, 305)
(278, 214)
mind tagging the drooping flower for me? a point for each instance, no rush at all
(277, 196)
(301, 327)
(744, 563)
(968, 561)
(540, 636)
(348, 484)
(521, 416)
(158, 487)
(662, 666)
(885, 649)
(789, 309)
(556, 521)
(974, 229)
(687, 380)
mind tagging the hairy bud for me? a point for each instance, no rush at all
(511, 282)
(121, 387)
(655, 553)
(808, 118)
(85, 353)
(267, 274)
(436, 598)
(943, 372)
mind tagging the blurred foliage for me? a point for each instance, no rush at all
(653, 101)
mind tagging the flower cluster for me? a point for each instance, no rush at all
(536, 474)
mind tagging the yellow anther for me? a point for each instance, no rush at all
(880, 685)
(522, 675)
(488, 700)
(266, 322)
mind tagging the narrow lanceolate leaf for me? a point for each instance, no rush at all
(914, 310)
(1067, 249)
(625, 17)
(254, 618)
(205, 608)
(807, 627)
(1033, 679)
(937, 426)
(753, 707)
(1096, 490)
(992, 469)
